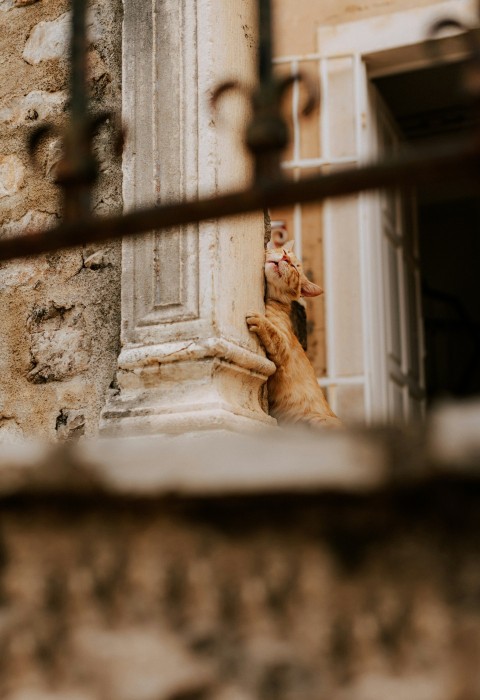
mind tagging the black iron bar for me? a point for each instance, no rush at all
(448, 160)
(267, 132)
(266, 138)
(77, 171)
(78, 67)
(265, 44)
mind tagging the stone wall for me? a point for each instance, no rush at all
(59, 325)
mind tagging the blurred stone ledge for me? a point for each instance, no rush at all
(275, 461)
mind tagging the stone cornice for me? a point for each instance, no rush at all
(132, 358)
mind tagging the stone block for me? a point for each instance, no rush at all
(20, 273)
(32, 221)
(10, 431)
(70, 424)
(12, 175)
(60, 345)
(37, 105)
(97, 260)
(28, 271)
(6, 5)
(49, 40)
(97, 68)
(54, 155)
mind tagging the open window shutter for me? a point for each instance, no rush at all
(396, 229)
(372, 295)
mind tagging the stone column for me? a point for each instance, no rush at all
(188, 361)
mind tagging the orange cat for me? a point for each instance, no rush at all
(293, 391)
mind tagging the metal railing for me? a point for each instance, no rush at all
(266, 137)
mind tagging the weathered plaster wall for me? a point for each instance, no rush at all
(297, 21)
(60, 312)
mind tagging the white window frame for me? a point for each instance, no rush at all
(378, 46)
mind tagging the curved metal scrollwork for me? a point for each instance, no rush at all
(78, 168)
(267, 134)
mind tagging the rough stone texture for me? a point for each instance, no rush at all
(31, 93)
(12, 175)
(38, 104)
(53, 157)
(70, 424)
(10, 431)
(48, 40)
(310, 597)
(32, 221)
(59, 345)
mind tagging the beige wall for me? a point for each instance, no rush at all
(296, 21)
(60, 312)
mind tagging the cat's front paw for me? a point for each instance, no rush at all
(255, 321)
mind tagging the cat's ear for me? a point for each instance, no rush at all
(288, 246)
(309, 289)
(271, 245)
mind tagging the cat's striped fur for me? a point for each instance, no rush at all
(293, 391)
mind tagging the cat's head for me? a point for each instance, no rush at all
(286, 281)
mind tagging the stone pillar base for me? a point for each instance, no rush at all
(188, 362)
(190, 386)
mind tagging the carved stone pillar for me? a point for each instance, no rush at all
(188, 361)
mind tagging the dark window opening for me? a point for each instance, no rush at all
(429, 103)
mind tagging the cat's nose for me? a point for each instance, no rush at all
(285, 257)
